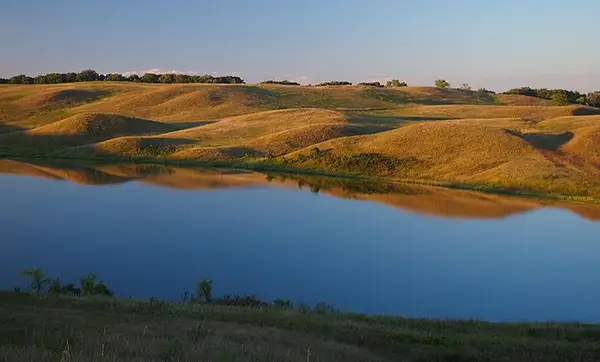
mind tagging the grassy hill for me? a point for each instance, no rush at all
(62, 328)
(430, 135)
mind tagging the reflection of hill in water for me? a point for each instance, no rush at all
(413, 198)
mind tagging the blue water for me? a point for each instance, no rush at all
(361, 256)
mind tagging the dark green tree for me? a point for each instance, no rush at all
(182, 78)
(21, 79)
(133, 78)
(114, 77)
(166, 78)
(88, 75)
(149, 78)
(71, 77)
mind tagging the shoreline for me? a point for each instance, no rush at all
(265, 167)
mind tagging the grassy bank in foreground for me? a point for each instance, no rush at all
(53, 328)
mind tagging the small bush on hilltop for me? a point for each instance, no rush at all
(441, 83)
(593, 99)
(282, 82)
(550, 94)
(335, 82)
(394, 83)
(371, 84)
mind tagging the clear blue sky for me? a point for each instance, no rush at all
(493, 44)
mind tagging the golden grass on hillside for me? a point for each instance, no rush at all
(529, 113)
(418, 133)
(455, 152)
(101, 125)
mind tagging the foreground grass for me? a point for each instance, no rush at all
(50, 328)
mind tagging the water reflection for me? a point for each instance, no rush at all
(427, 200)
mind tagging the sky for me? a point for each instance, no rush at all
(492, 44)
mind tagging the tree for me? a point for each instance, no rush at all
(465, 86)
(204, 291)
(88, 75)
(559, 99)
(71, 77)
(282, 82)
(182, 78)
(335, 82)
(133, 78)
(441, 83)
(114, 77)
(166, 78)
(593, 99)
(149, 78)
(395, 83)
(89, 286)
(51, 78)
(581, 100)
(21, 79)
(203, 78)
(38, 279)
(3, 81)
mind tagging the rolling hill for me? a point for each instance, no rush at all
(423, 134)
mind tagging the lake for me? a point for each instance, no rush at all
(151, 231)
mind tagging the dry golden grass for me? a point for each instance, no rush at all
(101, 125)
(463, 153)
(417, 133)
(528, 113)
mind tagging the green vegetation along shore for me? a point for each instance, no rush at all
(54, 322)
(516, 143)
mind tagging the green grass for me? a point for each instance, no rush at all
(46, 328)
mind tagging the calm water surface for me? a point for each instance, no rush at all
(144, 240)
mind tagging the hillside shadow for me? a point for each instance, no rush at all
(191, 124)
(374, 124)
(586, 111)
(5, 129)
(545, 141)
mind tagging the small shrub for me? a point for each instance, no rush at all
(70, 289)
(89, 286)
(441, 83)
(283, 303)
(38, 279)
(241, 301)
(199, 333)
(204, 291)
(336, 82)
(281, 82)
(55, 287)
(394, 83)
(172, 350)
(371, 84)
(324, 308)
(315, 152)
